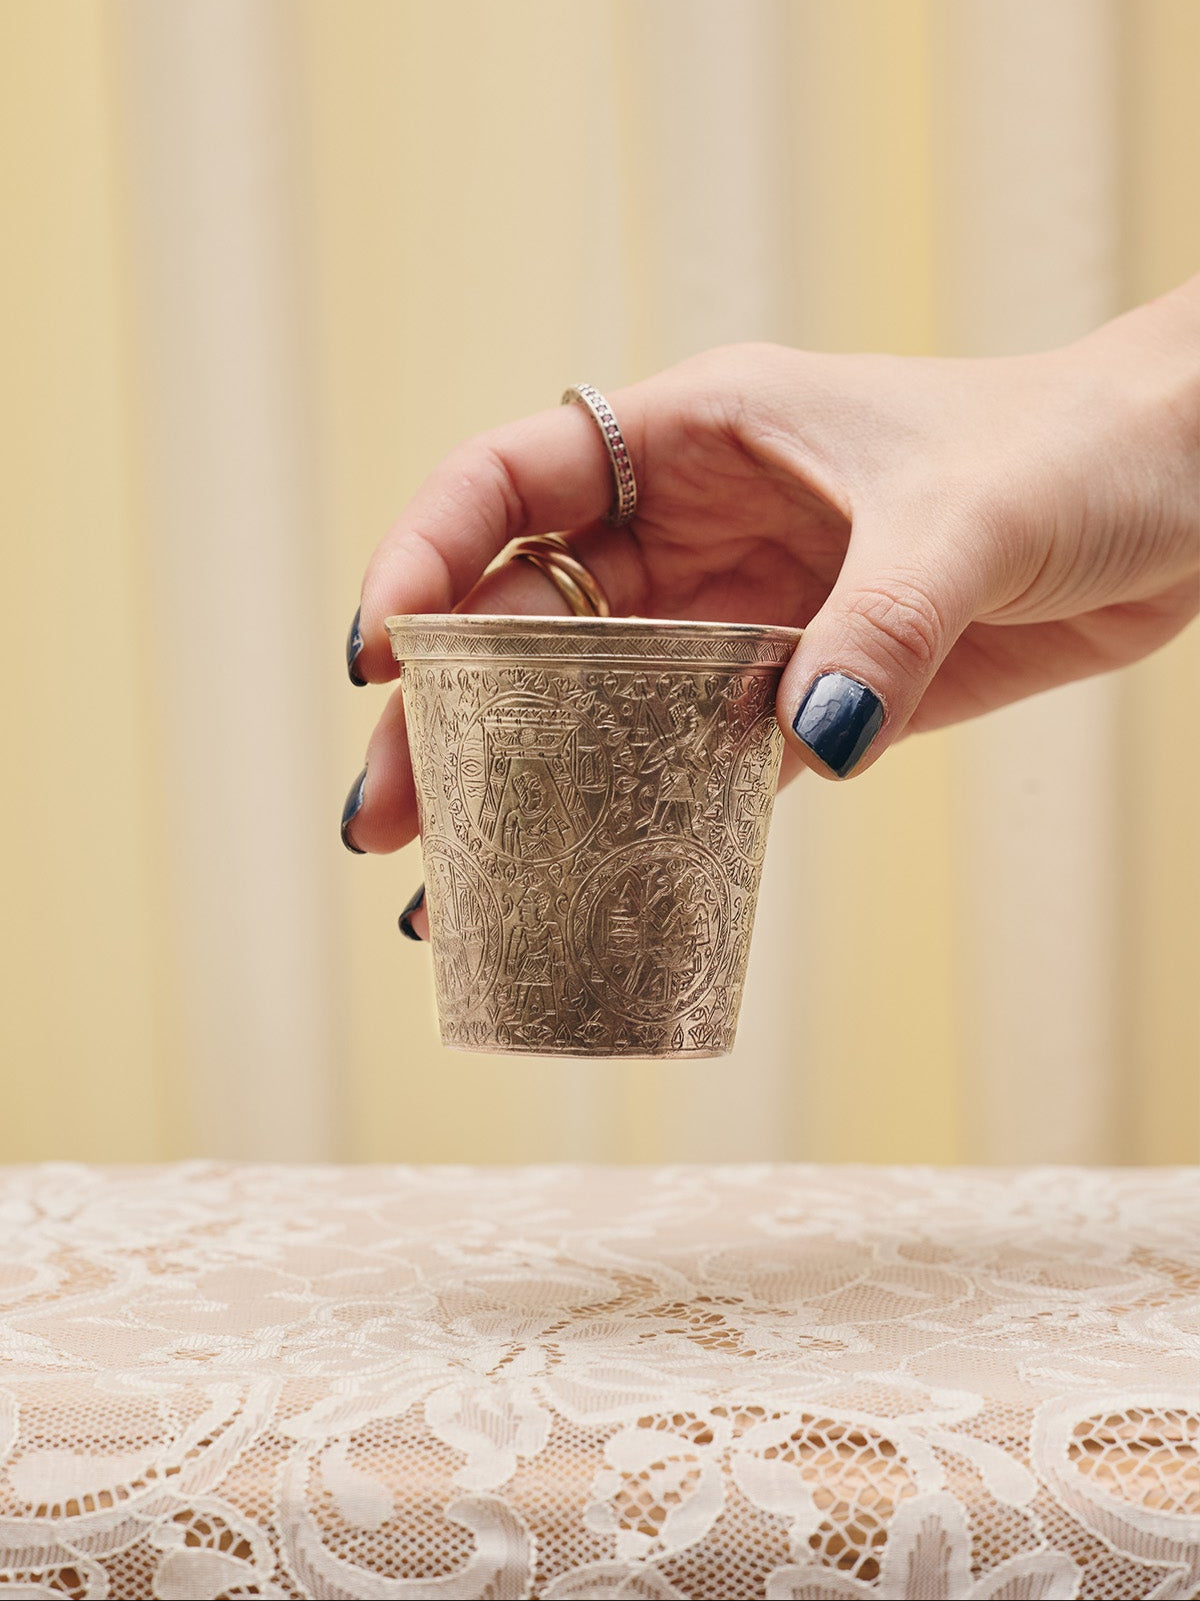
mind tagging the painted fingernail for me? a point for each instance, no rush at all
(414, 905)
(354, 645)
(837, 720)
(351, 810)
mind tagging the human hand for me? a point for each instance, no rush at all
(953, 535)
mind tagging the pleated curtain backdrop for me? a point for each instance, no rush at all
(275, 260)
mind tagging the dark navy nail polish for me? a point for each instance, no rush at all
(407, 914)
(837, 720)
(351, 810)
(414, 905)
(354, 645)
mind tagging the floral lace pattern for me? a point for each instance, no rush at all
(782, 1382)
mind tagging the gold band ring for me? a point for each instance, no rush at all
(625, 496)
(551, 554)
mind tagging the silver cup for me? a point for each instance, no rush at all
(594, 798)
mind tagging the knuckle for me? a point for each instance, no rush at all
(907, 620)
(736, 370)
(467, 460)
(504, 484)
(740, 358)
(480, 474)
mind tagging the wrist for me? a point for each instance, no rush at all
(1147, 363)
(1152, 354)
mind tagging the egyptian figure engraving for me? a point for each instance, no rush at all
(532, 777)
(650, 927)
(593, 835)
(679, 760)
(467, 960)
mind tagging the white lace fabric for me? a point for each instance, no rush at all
(781, 1382)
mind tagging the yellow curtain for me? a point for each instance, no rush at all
(264, 265)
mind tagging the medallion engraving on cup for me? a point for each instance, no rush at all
(468, 956)
(534, 777)
(594, 797)
(650, 927)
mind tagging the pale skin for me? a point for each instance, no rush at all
(954, 534)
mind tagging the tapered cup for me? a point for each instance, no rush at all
(594, 797)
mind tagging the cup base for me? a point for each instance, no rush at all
(583, 1055)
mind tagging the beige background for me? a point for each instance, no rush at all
(263, 264)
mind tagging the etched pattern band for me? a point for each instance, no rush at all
(593, 828)
(447, 636)
(624, 483)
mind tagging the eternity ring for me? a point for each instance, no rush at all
(551, 554)
(624, 483)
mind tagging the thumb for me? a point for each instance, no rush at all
(870, 653)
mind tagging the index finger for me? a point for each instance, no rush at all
(544, 473)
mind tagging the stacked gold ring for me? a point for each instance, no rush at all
(551, 554)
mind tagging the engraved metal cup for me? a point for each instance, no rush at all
(594, 797)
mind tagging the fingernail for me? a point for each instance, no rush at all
(351, 810)
(354, 645)
(837, 720)
(414, 905)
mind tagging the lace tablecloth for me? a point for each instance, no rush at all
(567, 1382)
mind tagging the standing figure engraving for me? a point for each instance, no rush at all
(681, 760)
(534, 958)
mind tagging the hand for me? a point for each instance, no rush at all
(953, 535)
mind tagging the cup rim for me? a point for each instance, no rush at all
(556, 634)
